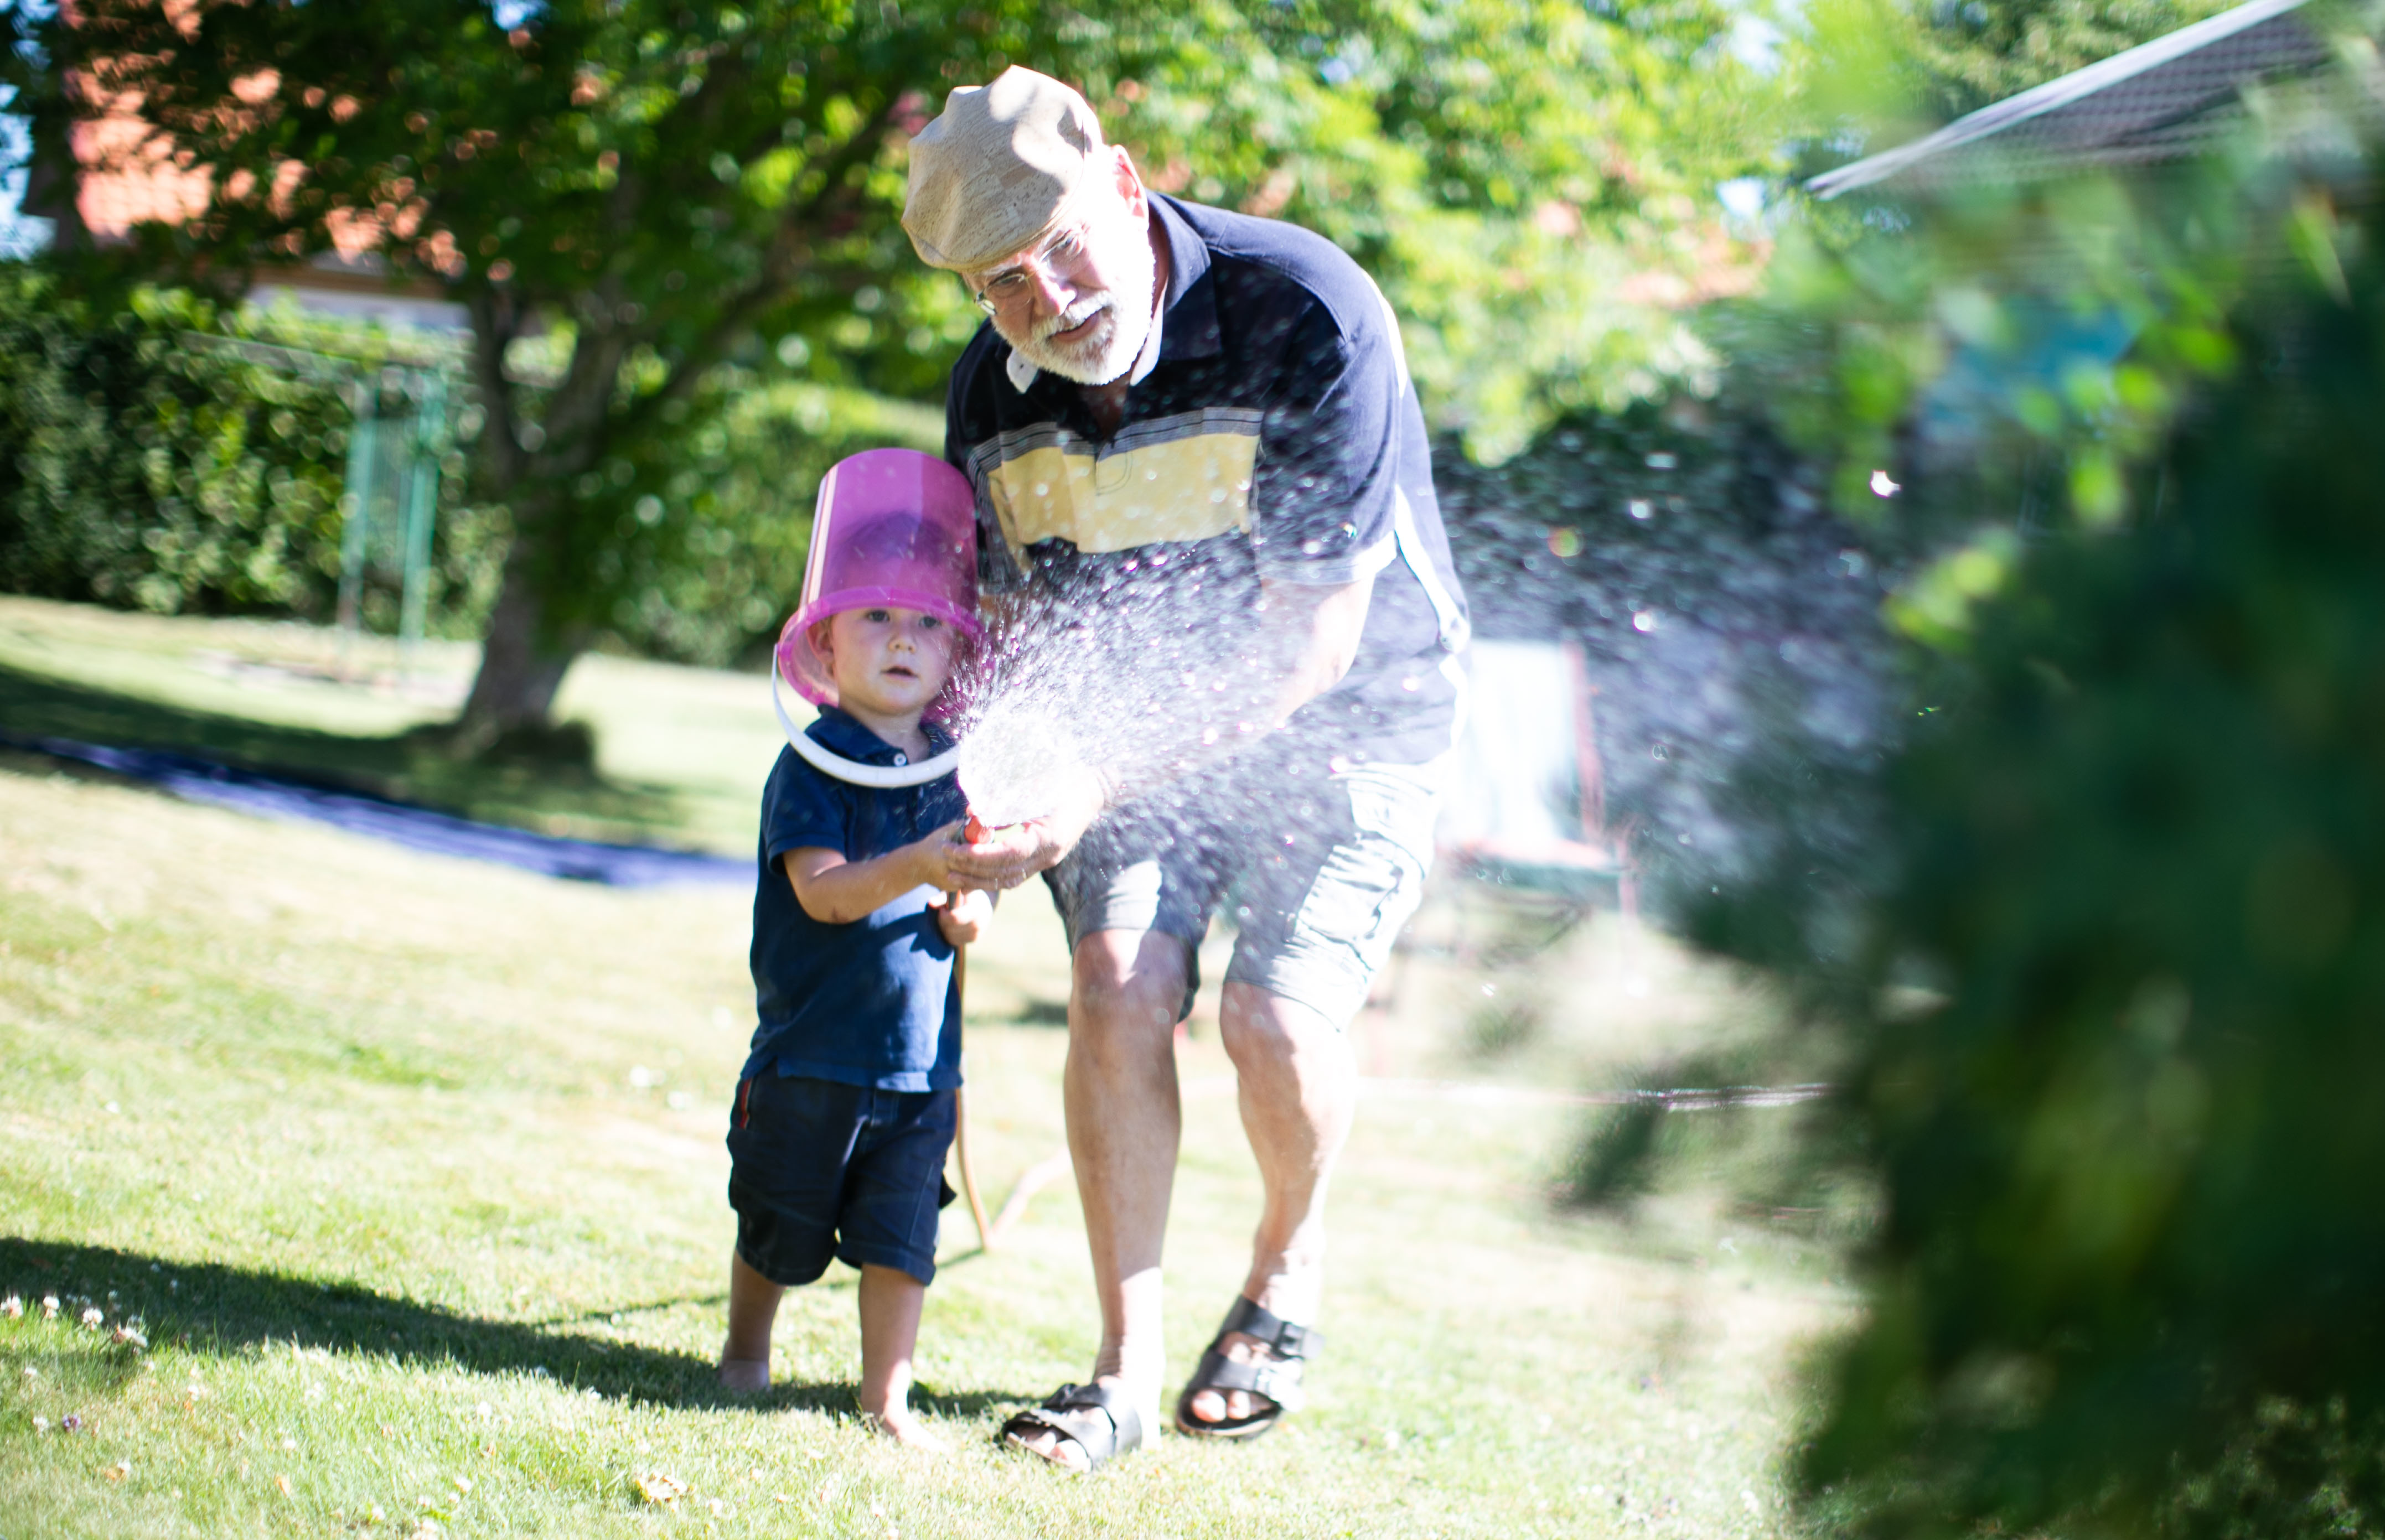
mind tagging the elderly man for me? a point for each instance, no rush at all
(1198, 461)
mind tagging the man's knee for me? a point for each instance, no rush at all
(1128, 983)
(1262, 1031)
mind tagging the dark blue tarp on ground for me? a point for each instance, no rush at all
(420, 828)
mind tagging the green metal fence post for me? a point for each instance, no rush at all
(421, 509)
(356, 509)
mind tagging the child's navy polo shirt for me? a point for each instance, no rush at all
(870, 1002)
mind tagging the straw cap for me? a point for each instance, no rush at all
(996, 168)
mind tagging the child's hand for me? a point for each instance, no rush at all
(964, 916)
(932, 858)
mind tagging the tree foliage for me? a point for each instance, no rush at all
(1532, 185)
(1866, 74)
(175, 456)
(664, 185)
(1972, 52)
(645, 193)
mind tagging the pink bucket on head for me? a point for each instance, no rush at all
(892, 527)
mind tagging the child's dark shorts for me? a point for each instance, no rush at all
(820, 1170)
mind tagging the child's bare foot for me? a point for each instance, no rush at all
(905, 1429)
(744, 1376)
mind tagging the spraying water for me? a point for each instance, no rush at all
(1140, 670)
(1015, 760)
(1710, 592)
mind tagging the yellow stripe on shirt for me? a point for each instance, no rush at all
(1182, 478)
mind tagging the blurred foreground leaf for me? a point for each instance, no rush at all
(2125, 1275)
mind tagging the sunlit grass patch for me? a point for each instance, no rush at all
(409, 1171)
(678, 751)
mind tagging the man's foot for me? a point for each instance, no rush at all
(1216, 1405)
(1052, 1445)
(1250, 1376)
(1081, 1428)
(903, 1425)
(744, 1376)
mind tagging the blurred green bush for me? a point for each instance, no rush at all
(730, 566)
(2106, 978)
(2131, 1161)
(139, 470)
(143, 468)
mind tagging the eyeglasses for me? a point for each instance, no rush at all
(1008, 289)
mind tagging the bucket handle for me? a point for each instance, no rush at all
(828, 764)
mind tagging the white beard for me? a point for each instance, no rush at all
(1122, 319)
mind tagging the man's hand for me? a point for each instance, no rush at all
(963, 917)
(1006, 857)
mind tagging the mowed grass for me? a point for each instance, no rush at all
(679, 750)
(409, 1173)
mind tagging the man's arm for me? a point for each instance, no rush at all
(1315, 631)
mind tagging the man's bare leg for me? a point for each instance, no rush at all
(1124, 1122)
(752, 1306)
(1299, 1089)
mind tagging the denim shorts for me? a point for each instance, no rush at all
(818, 1170)
(1318, 865)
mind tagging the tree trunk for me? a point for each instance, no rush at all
(524, 653)
(522, 659)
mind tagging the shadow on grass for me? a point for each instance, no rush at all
(527, 792)
(210, 1307)
(1041, 1013)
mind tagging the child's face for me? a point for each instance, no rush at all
(886, 661)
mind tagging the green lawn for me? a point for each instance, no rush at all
(682, 749)
(410, 1174)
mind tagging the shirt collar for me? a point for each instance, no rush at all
(1187, 325)
(841, 733)
(1189, 321)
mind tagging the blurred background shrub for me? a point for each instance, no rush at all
(141, 470)
(143, 467)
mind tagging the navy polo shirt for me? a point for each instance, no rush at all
(870, 1002)
(1270, 432)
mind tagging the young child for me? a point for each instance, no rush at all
(845, 1107)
